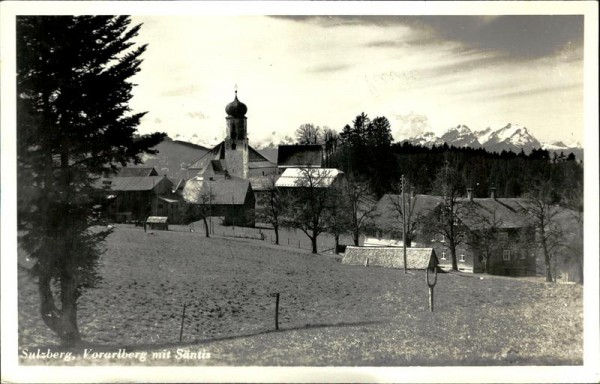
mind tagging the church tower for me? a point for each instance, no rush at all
(236, 142)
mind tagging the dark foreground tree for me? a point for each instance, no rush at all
(73, 125)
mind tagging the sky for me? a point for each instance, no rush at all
(424, 73)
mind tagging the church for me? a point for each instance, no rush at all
(223, 175)
(234, 155)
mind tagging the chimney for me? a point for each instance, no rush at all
(470, 194)
(493, 193)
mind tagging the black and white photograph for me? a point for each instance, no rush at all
(300, 191)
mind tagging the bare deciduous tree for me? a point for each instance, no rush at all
(541, 208)
(362, 205)
(271, 206)
(309, 134)
(444, 219)
(308, 202)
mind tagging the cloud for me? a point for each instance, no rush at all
(182, 91)
(197, 115)
(327, 68)
(410, 125)
(538, 91)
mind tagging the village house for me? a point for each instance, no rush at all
(222, 195)
(299, 155)
(133, 198)
(512, 255)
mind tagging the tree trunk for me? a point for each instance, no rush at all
(453, 255)
(356, 237)
(63, 322)
(206, 226)
(313, 240)
(546, 260)
(70, 330)
(276, 228)
(337, 242)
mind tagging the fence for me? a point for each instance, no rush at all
(292, 238)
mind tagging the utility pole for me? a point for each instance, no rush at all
(404, 222)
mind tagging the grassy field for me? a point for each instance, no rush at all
(330, 314)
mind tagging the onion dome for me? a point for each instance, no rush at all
(236, 108)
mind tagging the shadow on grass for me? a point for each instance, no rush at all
(78, 349)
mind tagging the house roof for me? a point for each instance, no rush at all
(391, 257)
(505, 212)
(388, 216)
(132, 183)
(300, 155)
(293, 177)
(180, 184)
(255, 157)
(222, 190)
(137, 172)
(502, 212)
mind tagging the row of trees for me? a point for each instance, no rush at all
(316, 205)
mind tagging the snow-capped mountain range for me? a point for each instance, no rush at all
(513, 137)
(510, 137)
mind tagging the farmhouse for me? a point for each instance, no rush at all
(133, 198)
(228, 196)
(512, 254)
(297, 156)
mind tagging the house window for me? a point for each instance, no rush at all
(443, 255)
(506, 255)
(503, 236)
(462, 257)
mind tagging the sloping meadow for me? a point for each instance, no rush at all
(329, 313)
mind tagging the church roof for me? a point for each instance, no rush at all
(255, 159)
(236, 108)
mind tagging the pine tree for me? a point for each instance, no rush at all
(73, 126)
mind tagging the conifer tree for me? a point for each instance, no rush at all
(73, 126)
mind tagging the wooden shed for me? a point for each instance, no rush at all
(391, 257)
(157, 222)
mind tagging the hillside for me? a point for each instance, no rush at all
(173, 157)
(330, 314)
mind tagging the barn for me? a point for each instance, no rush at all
(391, 257)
